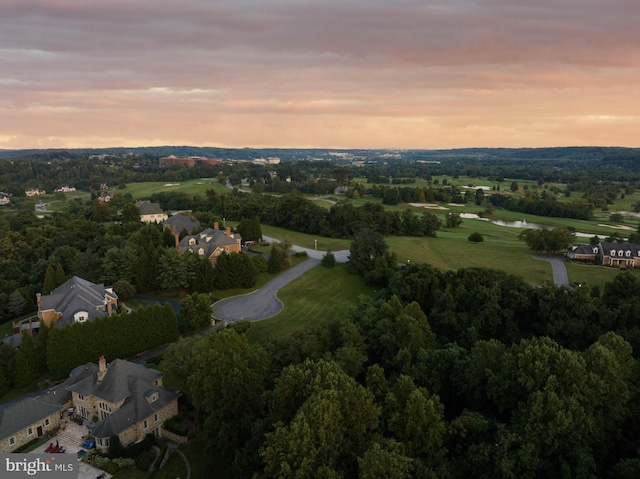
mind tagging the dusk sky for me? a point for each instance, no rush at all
(319, 73)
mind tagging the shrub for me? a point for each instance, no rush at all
(328, 260)
(179, 428)
(476, 237)
(260, 263)
(300, 254)
(143, 461)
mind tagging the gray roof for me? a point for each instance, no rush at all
(584, 249)
(182, 222)
(633, 248)
(76, 295)
(15, 416)
(124, 380)
(148, 208)
(209, 240)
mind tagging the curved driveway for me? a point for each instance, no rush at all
(560, 276)
(263, 303)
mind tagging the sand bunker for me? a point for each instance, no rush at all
(172, 184)
(619, 227)
(432, 206)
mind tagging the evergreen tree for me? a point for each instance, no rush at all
(26, 361)
(49, 280)
(60, 276)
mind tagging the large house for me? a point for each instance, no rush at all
(211, 242)
(34, 192)
(118, 399)
(150, 212)
(77, 300)
(624, 255)
(5, 198)
(123, 399)
(181, 222)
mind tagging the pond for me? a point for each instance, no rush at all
(524, 224)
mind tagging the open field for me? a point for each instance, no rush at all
(306, 240)
(321, 295)
(190, 187)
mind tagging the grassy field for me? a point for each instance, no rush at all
(306, 240)
(321, 295)
(190, 187)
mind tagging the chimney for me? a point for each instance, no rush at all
(102, 368)
(38, 297)
(177, 240)
(228, 231)
(216, 225)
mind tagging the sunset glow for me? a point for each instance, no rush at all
(319, 73)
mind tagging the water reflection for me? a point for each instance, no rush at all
(524, 224)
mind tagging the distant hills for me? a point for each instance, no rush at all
(296, 154)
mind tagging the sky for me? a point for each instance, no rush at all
(398, 74)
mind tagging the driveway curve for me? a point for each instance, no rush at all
(262, 303)
(560, 276)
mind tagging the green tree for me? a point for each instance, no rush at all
(453, 220)
(195, 312)
(49, 280)
(173, 274)
(328, 259)
(16, 303)
(476, 237)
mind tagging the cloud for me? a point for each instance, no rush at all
(407, 73)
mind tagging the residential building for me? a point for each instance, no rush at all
(65, 189)
(181, 222)
(624, 255)
(5, 198)
(34, 192)
(118, 399)
(124, 399)
(211, 242)
(77, 300)
(150, 212)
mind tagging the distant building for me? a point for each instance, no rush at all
(5, 198)
(622, 255)
(34, 192)
(150, 212)
(65, 189)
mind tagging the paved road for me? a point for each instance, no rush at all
(262, 303)
(560, 276)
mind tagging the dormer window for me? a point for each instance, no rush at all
(192, 241)
(628, 254)
(201, 251)
(595, 250)
(151, 396)
(620, 252)
(613, 252)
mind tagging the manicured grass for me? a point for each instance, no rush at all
(191, 187)
(320, 296)
(306, 240)
(130, 473)
(591, 274)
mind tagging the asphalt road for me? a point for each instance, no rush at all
(560, 276)
(262, 303)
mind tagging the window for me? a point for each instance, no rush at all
(30, 431)
(620, 253)
(192, 241)
(81, 397)
(46, 422)
(201, 251)
(146, 425)
(628, 254)
(12, 441)
(613, 252)
(155, 417)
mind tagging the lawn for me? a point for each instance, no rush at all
(190, 187)
(319, 296)
(203, 462)
(306, 240)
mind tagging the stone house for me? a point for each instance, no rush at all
(123, 399)
(119, 399)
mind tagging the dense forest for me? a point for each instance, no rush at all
(471, 373)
